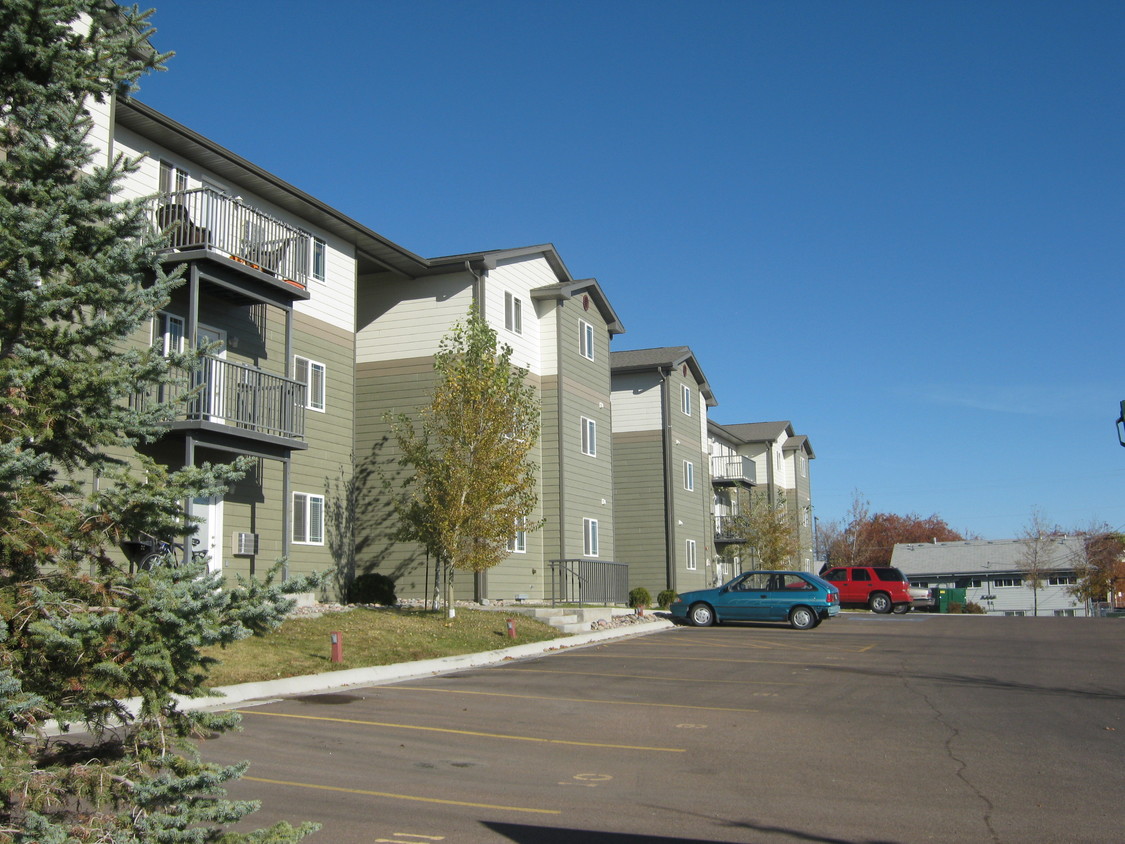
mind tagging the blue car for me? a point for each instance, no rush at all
(804, 600)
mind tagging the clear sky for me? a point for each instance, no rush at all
(897, 224)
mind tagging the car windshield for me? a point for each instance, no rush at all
(890, 574)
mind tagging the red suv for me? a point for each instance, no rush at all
(881, 588)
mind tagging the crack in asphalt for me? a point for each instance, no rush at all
(962, 765)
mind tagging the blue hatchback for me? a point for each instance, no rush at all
(804, 600)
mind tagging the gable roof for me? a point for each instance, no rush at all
(663, 357)
(757, 432)
(589, 286)
(797, 442)
(981, 556)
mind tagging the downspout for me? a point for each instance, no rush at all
(669, 502)
(559, 428)
(480, 578)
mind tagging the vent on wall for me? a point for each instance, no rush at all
(244, 544)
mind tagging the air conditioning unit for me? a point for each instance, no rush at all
(244, 544)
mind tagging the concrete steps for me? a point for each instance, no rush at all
(571, 619)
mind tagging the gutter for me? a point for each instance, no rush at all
(669, 505)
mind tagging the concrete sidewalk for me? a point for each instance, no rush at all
(244, 693)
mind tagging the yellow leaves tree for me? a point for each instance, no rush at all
(471, 481)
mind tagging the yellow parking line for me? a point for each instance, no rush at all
(393, 796)
(585, 655)
(755, 645)
(462, 732)
(600, 701)
(663, 677)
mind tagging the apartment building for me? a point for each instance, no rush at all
(662, 485)
(560, 330)
(270, 288)
(780, 463)
(733, 479)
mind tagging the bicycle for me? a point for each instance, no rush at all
(168, 553)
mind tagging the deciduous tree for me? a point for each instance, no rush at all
(80, 630)
(768, 529)
(472, 481)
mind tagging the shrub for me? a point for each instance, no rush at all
(955, 607)
(973, 608)
(639, 597)
(665, 598)
(373, 588)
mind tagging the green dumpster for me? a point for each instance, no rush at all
(945, 597)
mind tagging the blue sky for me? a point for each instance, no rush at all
(896, 224)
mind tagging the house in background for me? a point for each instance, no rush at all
(990, 573)
(781, 463)
(560, 330)
(661, 479)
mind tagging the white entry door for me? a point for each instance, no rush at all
(208, 537)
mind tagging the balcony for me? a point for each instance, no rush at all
(726, 471)
(204, 218)
(243, 399)
(725, 532)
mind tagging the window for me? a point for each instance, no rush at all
(689, 475)
(518, 543)
(311, 374)
(513, 313)
(1066, 613)
(318, 270)
(691, 555)
(589, 537)
(1062, 580)
(172, 178)
(685, 400)
(586, 339)
(804, 466)
(967, 583)
(308, 519)
(1008, 581)
(168, 332)
(861, 574)
(589, 437)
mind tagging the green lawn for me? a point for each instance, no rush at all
(370, 637)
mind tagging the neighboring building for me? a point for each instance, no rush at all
(781, 460)
(989, 572)
(559, 329)
(733, 478)
(661, 479)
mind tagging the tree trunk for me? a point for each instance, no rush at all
(450, 610)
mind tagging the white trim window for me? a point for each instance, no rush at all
(172, 178)
(690, 550)
(689, 476)
(1062, 580)
(589, 437)
(313, 375)
(318, 268)
(513, 313)
(308, 519)
(589, 537)
(1007, 581)
(586, 339)
(168, 332)
(685, 399)
(518, 543)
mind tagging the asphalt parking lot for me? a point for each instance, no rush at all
(867, 729)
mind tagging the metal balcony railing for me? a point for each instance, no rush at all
(724, 530)
(204, 218)
(589, 582)
(727, 469)
(244, 397)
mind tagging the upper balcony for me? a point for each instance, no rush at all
(225, 226)
(726, 471)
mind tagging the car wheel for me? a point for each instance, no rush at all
(902, 609)
(880, 603)
(802, 618)
(702, 615)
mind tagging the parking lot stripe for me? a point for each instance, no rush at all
(465, 732)
(662, 677)
(696, 659)
(393, 796)
(599, 701)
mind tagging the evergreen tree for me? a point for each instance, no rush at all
(80, 631)
(472, 484)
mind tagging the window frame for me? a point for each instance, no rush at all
(690, 552)
(513, 312)
(311, 366)
(318, 259)
(689, 476)
(589, 429)
(517, 544)
(589, 537)
(303, 503)
(586, 339)
(160, 332)
(685, 399)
